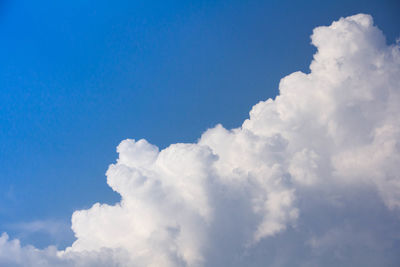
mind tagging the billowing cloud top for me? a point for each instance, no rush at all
(310, 179)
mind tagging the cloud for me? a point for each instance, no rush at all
(53, 231)
(47, 226)
(310, 179)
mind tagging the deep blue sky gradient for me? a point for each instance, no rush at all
(77, 77)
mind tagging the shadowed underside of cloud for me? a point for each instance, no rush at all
(310, 179)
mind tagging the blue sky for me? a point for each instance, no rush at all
(77, 77)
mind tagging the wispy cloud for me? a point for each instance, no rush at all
(51, 227)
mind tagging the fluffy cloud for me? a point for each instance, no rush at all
(310, 179)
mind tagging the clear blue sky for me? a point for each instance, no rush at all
(77, 77)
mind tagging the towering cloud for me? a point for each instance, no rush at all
(310, 179)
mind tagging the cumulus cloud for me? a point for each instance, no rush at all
(310, 179)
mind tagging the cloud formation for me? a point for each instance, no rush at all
(310, 179)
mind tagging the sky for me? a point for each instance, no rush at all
(79, 77)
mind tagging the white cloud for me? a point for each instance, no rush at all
(310, 179)
(54, 228)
